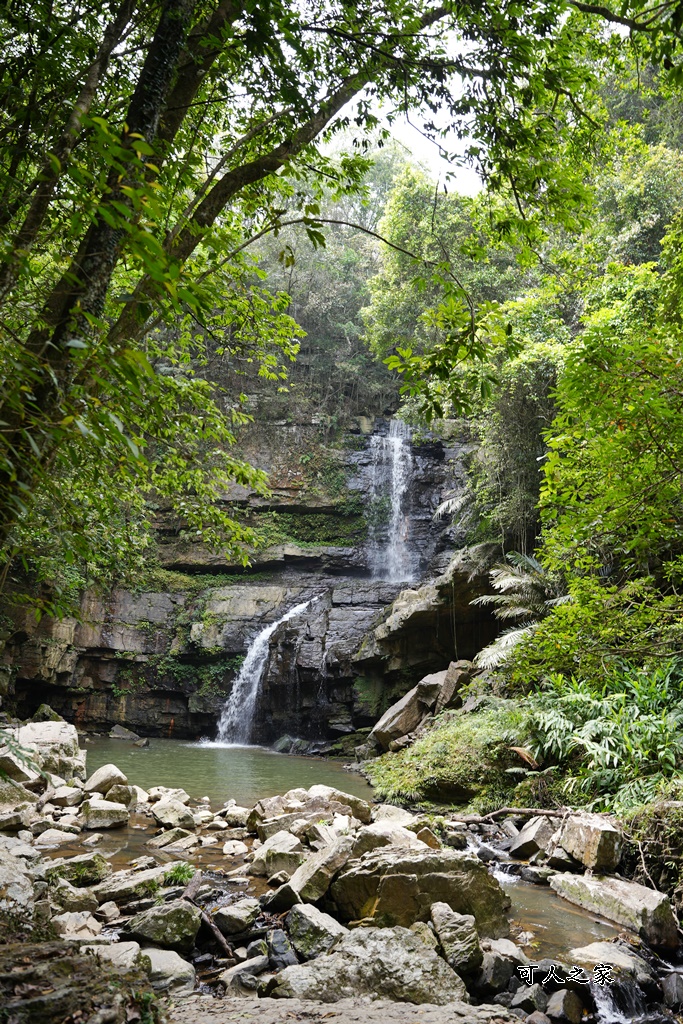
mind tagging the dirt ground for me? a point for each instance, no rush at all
(207, 1010)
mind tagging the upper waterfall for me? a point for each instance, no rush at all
(392, 468)
(237, 717)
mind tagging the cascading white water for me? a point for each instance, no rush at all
(237, 718)
(390, 555)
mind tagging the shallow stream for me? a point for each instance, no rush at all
(246, 774)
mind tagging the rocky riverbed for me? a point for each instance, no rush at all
(315, 902)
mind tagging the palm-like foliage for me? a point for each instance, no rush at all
(526, 593)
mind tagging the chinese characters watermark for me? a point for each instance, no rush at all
(602, 975)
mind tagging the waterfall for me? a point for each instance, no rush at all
(237, 717)
(392, 468)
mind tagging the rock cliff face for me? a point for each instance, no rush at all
(163, 662)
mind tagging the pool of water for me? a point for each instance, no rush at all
(550, 925)
(244, 774)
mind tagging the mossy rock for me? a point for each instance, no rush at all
(51, 982)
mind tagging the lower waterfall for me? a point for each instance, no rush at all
(237, 717)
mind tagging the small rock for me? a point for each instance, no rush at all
(536, 835)
(172, 925)
(119, 732)
(234, 848)
(166, 793)
(68, 897)
(169, 972)
(108, 912)
(102, 780)
(67, 796)
(565, 1005)
(529, 998)
(77, 925)
(282, 852)
(280, 950)
(92, 840)
(143, 743)
(237, 917)
(311, 931)
(255, 965)
(538, 1018)
(54, 837)
(167, 838)
(84, 870)
(672, 988)
(458, 937)
(103, 814)
(123, 955)
(171, 813)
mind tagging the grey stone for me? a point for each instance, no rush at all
(172, 925)
(68, 897)
(235, 848)
(167, 838)
(99, 814)
(622, 958)
(54, 837)
(56, 744)
(237, 917)
(397, 886)
(67, 796)
(529, 998)
(591, 839)
(124, 886)
(458, 937)
(282, 852)
(312, 879)
(169, 972)
(565, 1005)
(124, 956)
(672, 988)
(172, 814)
(280, 951)
(535, 836)
(119, 732)
(76, 925)
(494, 974)
(389, 962)
(16, 889)
(231, 978)
(312, 932)
(644, 910)
(406, 714)
(83, 870)
(102, 780)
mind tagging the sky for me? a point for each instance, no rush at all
(465, 179)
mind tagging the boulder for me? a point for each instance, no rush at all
(167, 793)
(672, 989)
(385, 833)
(76, 925)
(67, 897)
(172, 925)
(392, 963)
(536, 835)
(621, 957)
(312, 932)
(406, 714)
(56, 743)
(124, 956)
(15, 768)
(124, 886)
(280, 951)
(592, 840)
(508, 949)
(396, 815)
(254, 965)
(99, 814)
(169, 972)
(314, 803)
(173, 835)
(102, 780)
(171, 813)
(312, 879)
(66, 796)
(397, 886)
(282, 852)
(458, 938)
(120, 794)
(86, 869)
(644, 910)
(119, 732)
(14, 796)
(237, 917)
(494, 974)
(566, 1006)
(235, 848)
(54, 837)
(458, 674)
(16, 889)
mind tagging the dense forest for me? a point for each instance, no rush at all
(207, 224)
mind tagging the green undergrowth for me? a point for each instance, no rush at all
(465, 758)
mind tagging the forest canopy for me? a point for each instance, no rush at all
(145, 149)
